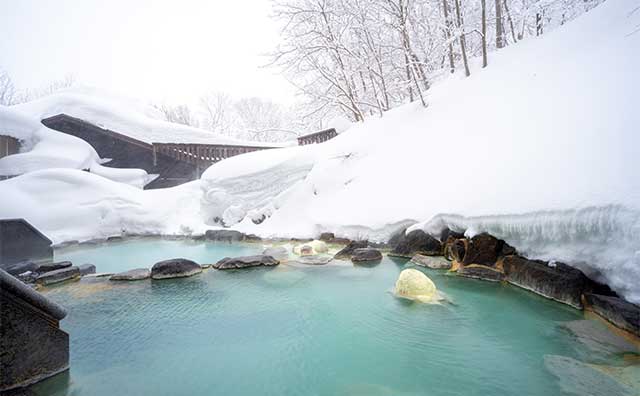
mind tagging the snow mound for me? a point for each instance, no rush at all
(67, 204)
(123, 115)
(44, 148)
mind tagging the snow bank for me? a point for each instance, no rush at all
(44, 148)
(123, 115)
(541, 148)
(68, 204)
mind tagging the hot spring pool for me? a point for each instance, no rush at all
(317, 330)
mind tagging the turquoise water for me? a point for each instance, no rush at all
(143, 253)
(328, 330)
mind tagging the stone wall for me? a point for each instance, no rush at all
(32, 346)
(20, 241)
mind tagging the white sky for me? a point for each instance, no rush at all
(170, 51)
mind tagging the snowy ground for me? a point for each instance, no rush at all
(541, 149)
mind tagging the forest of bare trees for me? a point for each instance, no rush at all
(363, 57)
(358, 58)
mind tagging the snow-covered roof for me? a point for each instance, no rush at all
(126, 116)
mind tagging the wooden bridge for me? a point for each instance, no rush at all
(200, 155)
(175, 163)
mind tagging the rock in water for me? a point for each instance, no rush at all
(224, 235)
(59, 275)
(245, 262)
(366, 254)
(87, 269)
(433, 262)
(175, 268)
(415, 285)
(347, 251)
(311, 248)
(132, 275)
(417, 241)
(48, 267)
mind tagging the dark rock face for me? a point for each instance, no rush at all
(561, 283)
(59, 275)
(447, 233)
(433, 262)
(396, 237)
(481, 272)
(132, 275)
(483, 249)
(245, 262)
(616, 310)
(417, 242)
(21, 267)
(42, 268)
(366, 254)
(175, 268)
(31, 343)
(455, 249)
(347, 251)
(86, 269)
(224, 235)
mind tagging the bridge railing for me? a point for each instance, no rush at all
(200, 155)
(317, 137)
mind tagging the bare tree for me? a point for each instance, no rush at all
(483, 4)
(180, 114)
(500, 41)
(7, 89)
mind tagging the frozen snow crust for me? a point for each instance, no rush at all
(540, 149)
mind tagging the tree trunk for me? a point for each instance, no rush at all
(447, 20)
(484, 32)
(506, 9)
(463, 44)
(499, 27)
(538, 24)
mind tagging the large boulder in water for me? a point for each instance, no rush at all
(556, 281)
(224, 235)
(245, 262)
(415, 285)
(48, 267)
(59, 275)
(417, 242)
(132, 275)
(365, 255)
(616, 310)
(347, 251)
(175, 268)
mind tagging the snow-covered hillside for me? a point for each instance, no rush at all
(543, 145)
(541, 148)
